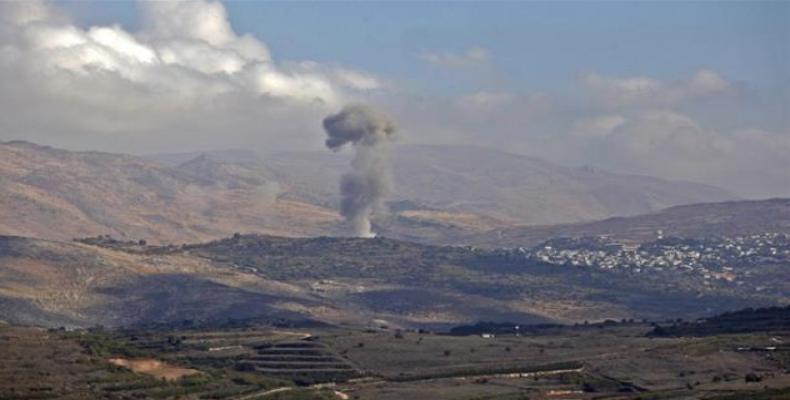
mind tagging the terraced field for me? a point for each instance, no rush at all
(41, 364)
(305, 362)
(599, 361)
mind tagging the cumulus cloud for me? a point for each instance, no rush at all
(471, 57)
(185, 70)
(187, 80)
(650, 126)
(673, 145)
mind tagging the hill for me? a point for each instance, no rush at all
(441, 184)
(58, 194)
(731, 218)
(761, 320)
(354, 281)
(442, 192)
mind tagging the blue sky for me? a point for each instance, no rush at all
(532, 45)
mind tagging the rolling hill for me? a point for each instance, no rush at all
(354, 281)
(58, 194)
(731, 218)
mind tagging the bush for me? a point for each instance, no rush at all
(194, 380)
(752, 377)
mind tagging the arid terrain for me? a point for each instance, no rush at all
(345, 281)
(227, 276)
(394, 200)
(195, 197)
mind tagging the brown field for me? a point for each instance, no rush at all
(155, 368)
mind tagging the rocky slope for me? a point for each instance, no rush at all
(58, 194)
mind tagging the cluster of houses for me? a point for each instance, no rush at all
(714, 258)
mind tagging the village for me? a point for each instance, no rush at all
(713, 259)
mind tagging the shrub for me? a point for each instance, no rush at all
(752, 377)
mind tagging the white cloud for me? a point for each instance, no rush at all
(639, 125)
(357, 79)
(673, 145)
(648, 126)
(187, 80)
(706, 81)
(22, 13)
(471, 57)
(203, 21)
(643, 91)
(184, 63)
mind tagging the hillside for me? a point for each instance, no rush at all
(498, 186)
(441, 192)
(337, 281)
(58, 194)
(72, 284)
(761, 320)
(602, 361)
(689, 221)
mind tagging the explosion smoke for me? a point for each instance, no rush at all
(363, 188)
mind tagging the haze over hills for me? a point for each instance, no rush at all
(440, 191)
(506, 187)
(731, 218)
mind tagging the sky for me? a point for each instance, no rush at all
(696, 91)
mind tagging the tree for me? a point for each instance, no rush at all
(752, 377)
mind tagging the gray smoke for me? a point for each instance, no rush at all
(369, 133)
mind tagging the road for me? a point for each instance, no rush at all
(263, 393)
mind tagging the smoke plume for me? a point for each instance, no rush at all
(369, 133)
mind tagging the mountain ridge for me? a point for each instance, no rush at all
(508, 187)
(439, 193)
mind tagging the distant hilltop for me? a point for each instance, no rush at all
(731, 218)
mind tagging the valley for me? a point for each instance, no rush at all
(334, 280)
(226, 275)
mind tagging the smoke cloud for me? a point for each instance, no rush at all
(362, 190)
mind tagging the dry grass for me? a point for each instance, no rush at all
(155, 368)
